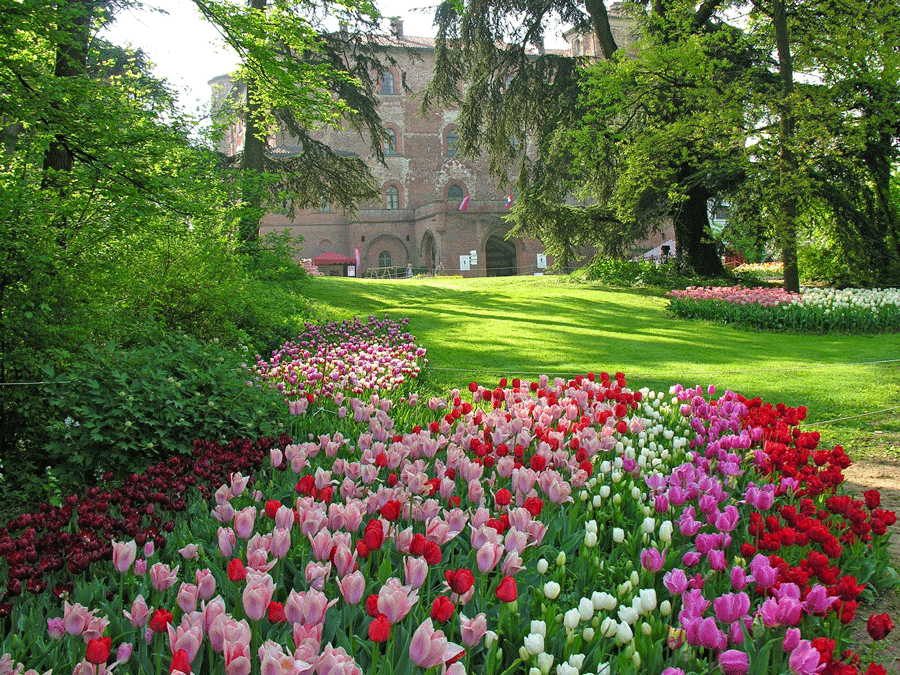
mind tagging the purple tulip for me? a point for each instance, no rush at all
(805, 659)
(734, 662)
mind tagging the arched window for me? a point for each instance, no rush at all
(392, 198)
(452, 142)
(384, 259)
(387, 82)
(390, 144)
(454, 193)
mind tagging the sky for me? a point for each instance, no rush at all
(188, 51)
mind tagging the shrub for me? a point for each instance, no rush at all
(638, 273)
(115, 408)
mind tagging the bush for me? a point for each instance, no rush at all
(117, 408)
(637, 273)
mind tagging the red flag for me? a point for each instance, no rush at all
(464, 204)
(509, 201)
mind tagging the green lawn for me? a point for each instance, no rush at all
(483, 329)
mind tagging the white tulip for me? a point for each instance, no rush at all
(624, 634)
(551, 590)
(618, 534)
(534, 644)
(585, 609)
(539, 627)
(571, 619)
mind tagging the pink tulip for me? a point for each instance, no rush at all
(123, 555)
(190, 552)
(280, 543)
(336, 661)
(488, 556)
(163, 577)
(187, 636)
(284, 518)
(472, 630)
(257, 594)
(396, 600)
(416, 571)
(188, 595)
(317, 574)
(139, 612)
(429, 648)
(791, 639)
(227, 540)
(238, 484)
(805, 659)
(212, 610)
(321, 545)
(76, 618)
(206, 584)
(95, 628)
(352, 587)
(244, 521)
(734, 662)
(56, 628)
(731, 607)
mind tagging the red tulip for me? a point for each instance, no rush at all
(98, 650)
(276, 612)
(507, 591)
(379, 629)
(442, 609)
(236, 570)
(459, 581)
(159, 620)
(180, 663)
(878, 626)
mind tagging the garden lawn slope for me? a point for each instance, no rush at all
(474, 328)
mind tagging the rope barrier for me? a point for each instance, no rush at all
(851, 417)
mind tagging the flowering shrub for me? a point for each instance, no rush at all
(576, 526)
(814, 309)
(343, 356)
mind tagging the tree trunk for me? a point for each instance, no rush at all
(254, 155)
(788, 168)
(694, 244)
(600, 23)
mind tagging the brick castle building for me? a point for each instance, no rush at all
(417, 221)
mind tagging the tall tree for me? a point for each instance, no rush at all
(297, 75)
(516, 90)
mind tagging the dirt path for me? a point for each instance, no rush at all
(881, 472)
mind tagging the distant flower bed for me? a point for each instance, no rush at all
(769, 270)
(346, 357)
(813, 310)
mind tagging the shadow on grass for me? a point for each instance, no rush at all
(485, 329)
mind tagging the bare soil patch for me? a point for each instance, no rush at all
(880, 471)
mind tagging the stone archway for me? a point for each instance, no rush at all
(500, 257)
(428, 252)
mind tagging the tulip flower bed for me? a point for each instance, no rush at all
(769, 270)
(574, 527)
(79, 533)
(343, 357)
(814, 310)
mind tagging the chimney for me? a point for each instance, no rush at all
(397, 28)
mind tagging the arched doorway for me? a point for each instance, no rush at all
(428, 252)
(500, 257)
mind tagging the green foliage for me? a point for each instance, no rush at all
(819, 262)
(117, 409)
(631, 273)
